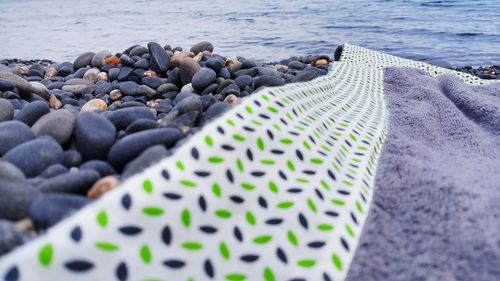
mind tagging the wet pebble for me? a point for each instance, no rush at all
(12, 134)
(51, 208)
(78, 182)
(34, 156)
(94, 135)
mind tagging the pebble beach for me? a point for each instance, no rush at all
(71, 131)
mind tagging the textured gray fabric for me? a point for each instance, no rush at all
(436, 208)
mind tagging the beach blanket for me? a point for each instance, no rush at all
(280, 188)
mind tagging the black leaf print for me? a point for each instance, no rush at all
(249, 258)
(126, 201)
(172, 196)
(237, 234)
(237, 199)
(174, 263)
(303, 221)
(76, 234)
(195, 153)
(12, 274)
(281, 255)
(274, 221)
(130, 230)
(79, 265)
(165, 174)
(166, 235)
(202, 203)
(122, 272)
(209, 268)
(316, 244)
(208, 229)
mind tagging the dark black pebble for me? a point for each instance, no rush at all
(131, 146)
(52, 208)
(34, 156)
(159, 59)
(122, 118)
(78, 182)
(102, 167)
(32, 112)
(94, 135)
(16, 199)
(72, 158)
(147, 158)
(202, 78)
(141, 125)
(54, 170)
(12, 134)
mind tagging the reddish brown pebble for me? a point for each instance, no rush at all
(113, 60)
(102, 186)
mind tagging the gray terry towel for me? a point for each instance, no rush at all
(436, 208)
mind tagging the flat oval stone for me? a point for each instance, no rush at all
(94, 105)
(190, 103)
(141, 125)
(202, 46)
(34, 156)
(57, 124)
(125, 73)
(202, 78)
(16, 199)
(83, 60)
(6, 110)
(9, 172)
(102, 167)
(243, 81)
(129, 88)
(12, 134)
(94, 135)
(32, 112)
(6, 85)
(132, 146)
(215, 63)
(138, 51)
(147, 158)
(159, 59)
(49, 209)
(268, 81)
(78, 182)
(54, 170)
(122, 118)
(22, 85)
(214, 111)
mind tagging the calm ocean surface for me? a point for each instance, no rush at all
(458, 31)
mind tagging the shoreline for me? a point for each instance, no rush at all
(483, 71)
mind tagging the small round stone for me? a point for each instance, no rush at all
(83, 60)
(202, 46)
(122, 118)
(12, 134)
(202, 78)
